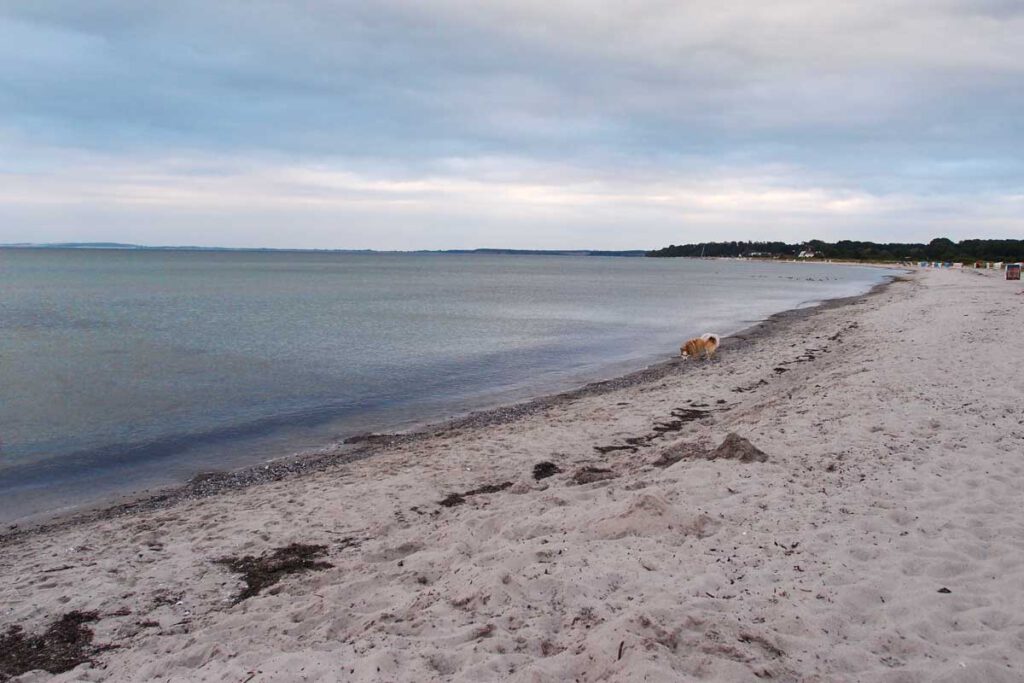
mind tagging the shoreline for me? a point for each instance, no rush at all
(361, 446)
(826, 500)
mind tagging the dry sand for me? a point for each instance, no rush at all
(895, 469)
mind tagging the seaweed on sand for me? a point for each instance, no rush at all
(454, 499)
(65, 644)
(543, 470)
(266, 570)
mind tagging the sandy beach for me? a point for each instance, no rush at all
(875, 534)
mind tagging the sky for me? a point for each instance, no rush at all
(525, 124)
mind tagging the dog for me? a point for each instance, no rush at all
(707, 344)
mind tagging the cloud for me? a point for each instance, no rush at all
(507, 202)
(477, 118)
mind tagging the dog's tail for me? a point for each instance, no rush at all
(713, 338)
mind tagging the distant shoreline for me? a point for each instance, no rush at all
(968, 252)
(115, 246)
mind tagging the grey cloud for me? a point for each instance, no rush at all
(880, 97)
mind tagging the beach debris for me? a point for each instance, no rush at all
(266, 570)
(163, 598)
(543, 470)
(735, 447)
(690, 414)
(489, 488)
(679, 451)
(660, 429)
(670, 426)
(589, 474)
(787, 549)
(754, 639)
(454, 499)
(349, 542)
(65, 644)
(604, 450)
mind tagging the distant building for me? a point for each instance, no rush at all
(807, 253)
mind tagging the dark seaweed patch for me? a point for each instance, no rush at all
(689, 414)
(750, 387)
(658, 430)
(266, 570)
(604, 450)
(489, 488)
(454, 499)
(65, 644)
(543, 470)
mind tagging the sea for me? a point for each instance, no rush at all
(127, 370)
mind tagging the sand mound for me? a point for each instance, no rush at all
(588, 475)
(679, 451)
(649, 514)
(735, 447)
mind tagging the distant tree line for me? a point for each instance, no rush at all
(939, 249)
(729, 249)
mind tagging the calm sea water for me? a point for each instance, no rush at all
(121, 370)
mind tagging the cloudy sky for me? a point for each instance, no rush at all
(451, 123)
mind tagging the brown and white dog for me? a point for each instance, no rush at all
(707, 344)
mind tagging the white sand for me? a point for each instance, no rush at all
(896, 468)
